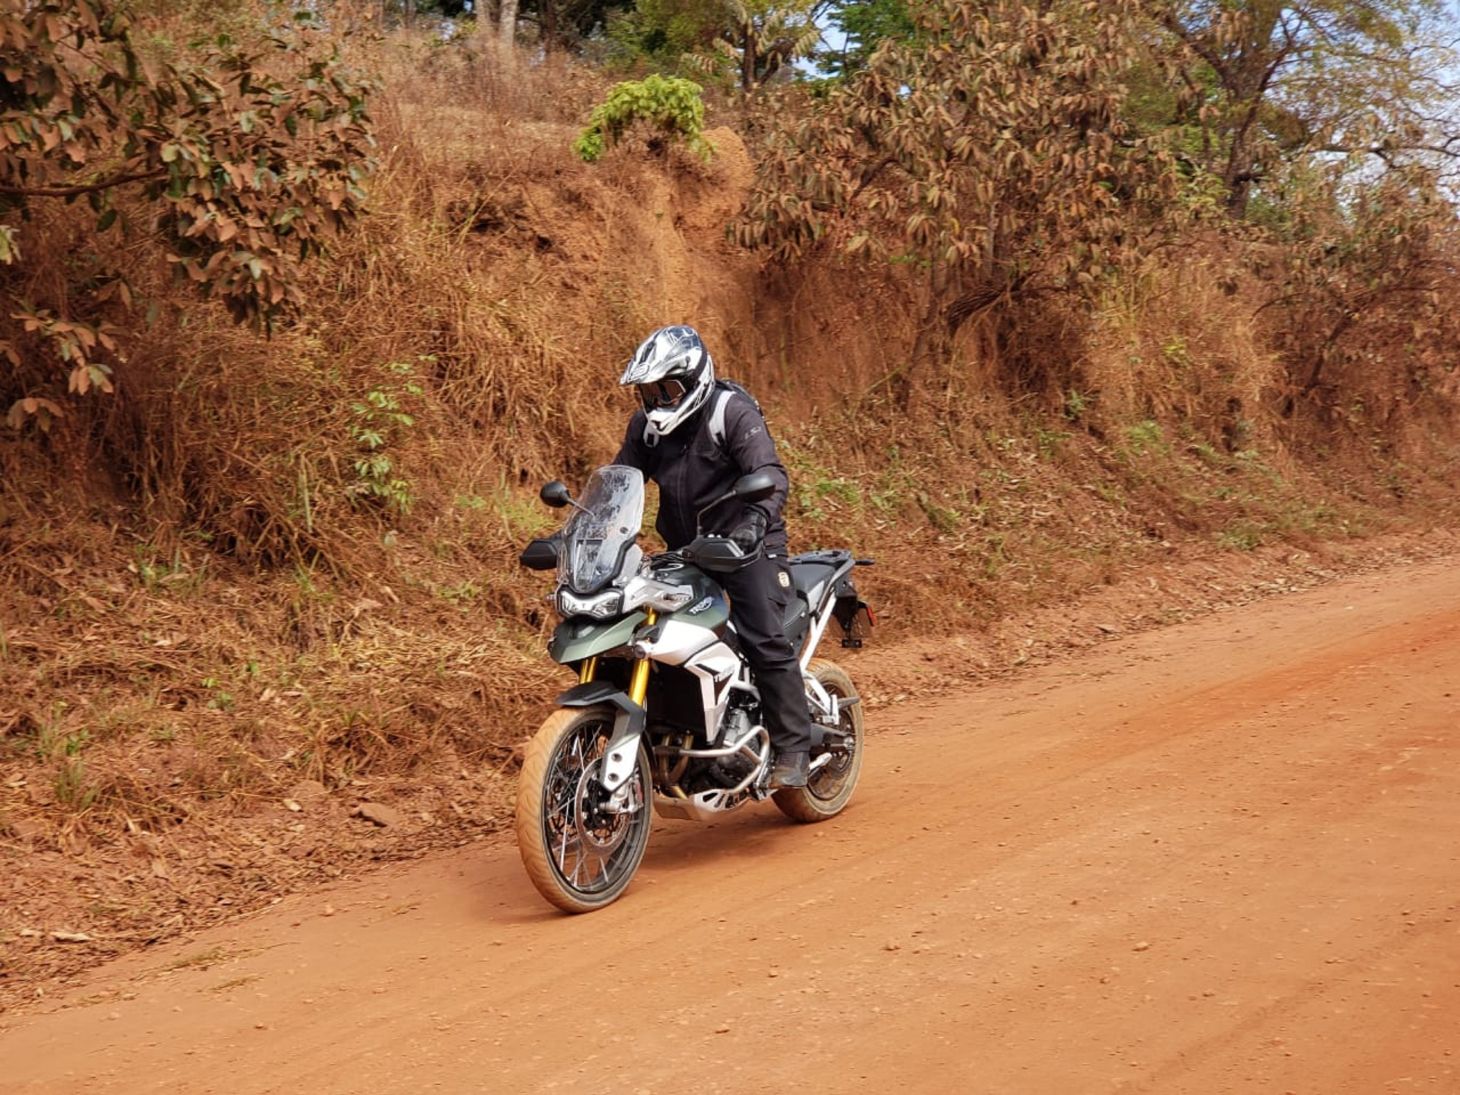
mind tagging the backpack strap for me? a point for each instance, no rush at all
(717, 415)
(724, 390)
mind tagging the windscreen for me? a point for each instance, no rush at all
(597, 536)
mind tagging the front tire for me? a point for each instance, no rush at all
(830, 787)
(580, 845)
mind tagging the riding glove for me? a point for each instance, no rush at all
(750, 532)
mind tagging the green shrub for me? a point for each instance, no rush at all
(669, 105)
(378, 422)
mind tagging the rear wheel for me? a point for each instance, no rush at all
(580, 845)
(830, 787)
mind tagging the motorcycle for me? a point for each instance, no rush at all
(666, 712)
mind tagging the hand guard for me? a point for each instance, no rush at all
(750, 532)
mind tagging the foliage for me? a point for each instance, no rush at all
(378, 422)
(1359, 288)
(660, 32)
(991, 149)
(1329, 126)
(760, 38)
(234, 168)
(1264, 83)
(669, 106)
(864, 25)
(569, 23)
(747, 41)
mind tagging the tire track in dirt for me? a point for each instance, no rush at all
(1223, 857)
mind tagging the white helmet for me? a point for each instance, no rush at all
(674, 375)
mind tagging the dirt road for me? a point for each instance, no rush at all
(1222, 857)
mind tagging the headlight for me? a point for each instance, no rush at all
(600, 605)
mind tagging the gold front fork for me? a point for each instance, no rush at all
(639, 682)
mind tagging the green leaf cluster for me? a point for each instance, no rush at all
(378, 422)
(671, 107)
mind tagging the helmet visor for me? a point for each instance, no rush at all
(661, 393)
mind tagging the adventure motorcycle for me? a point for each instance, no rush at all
(666, 710)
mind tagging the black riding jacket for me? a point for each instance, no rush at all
(692, 470)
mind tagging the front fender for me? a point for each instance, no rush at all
(622, 752)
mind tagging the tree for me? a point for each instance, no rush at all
(1267, 81)
(507, 30)
(863, 25)
(990, 149)
(566, 24)
(761, 37)
(1356, 266)
(749, 41)
(233, 170)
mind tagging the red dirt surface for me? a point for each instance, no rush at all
(1219, 857)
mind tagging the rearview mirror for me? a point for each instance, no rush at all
(555, 494)
(755, 487)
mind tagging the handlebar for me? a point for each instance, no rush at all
(716, 554)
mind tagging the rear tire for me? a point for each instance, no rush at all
(830, 787)
(579, 856)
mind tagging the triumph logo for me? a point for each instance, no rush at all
(704, 604)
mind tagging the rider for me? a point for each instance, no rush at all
(695, 439)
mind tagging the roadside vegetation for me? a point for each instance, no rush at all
(303, 303)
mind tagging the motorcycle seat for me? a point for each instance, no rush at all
(810, 574)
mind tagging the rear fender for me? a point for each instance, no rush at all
(850, 610)
(628, 727)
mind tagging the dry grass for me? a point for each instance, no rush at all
(1177, 343)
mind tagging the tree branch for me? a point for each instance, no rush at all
(78, 190)
(1195, 43)
(1385, 151)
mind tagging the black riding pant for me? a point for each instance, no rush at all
(759, 595)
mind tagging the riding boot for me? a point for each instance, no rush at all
(791, 770)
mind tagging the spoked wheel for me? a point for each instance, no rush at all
(580, 845)
(830, 787)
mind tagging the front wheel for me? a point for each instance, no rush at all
(830, 787)
(580, 844)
